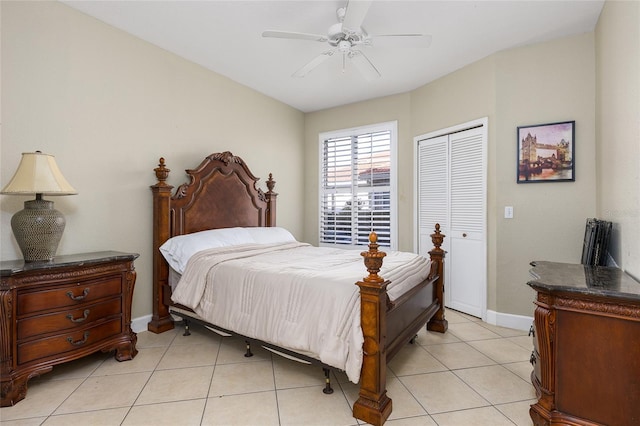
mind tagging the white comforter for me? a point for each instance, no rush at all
(294, 295)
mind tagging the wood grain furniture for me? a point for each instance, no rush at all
(58, 311)
(586, 354)
(221, 193)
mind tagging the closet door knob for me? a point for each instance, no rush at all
(464, 235)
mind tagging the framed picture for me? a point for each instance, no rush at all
(546, 152)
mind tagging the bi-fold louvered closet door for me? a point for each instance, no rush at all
(451, 191)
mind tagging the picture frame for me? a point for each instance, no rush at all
(546, 152)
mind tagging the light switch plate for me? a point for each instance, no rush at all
(508, 212)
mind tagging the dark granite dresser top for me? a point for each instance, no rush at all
(583, 279)
(10, 267)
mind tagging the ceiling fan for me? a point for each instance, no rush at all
(347, 36)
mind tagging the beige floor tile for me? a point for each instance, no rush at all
(185, 356)
(79, 368)
(504, 331)
(309, 406)
(426, 337)
(233, 349)
(112, 417)
(232, 410)
(497, 384)
(522, 369)
(469, 331)
(414, 359)
(501, 350)
(454, 317)
(182, 413)
(34, 421)
(442, 392)
(485, 416)
(524, 341)
(412, 421)
(404, 403)
(147, 339)
(176, 385)
(292, 374)
(517, 412)
(103, 392)
(458, 355)
(146, 360)
(245, 377)
(43, 397)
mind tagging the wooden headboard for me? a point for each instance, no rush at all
(221, 193)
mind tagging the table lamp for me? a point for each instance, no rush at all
(38, 228)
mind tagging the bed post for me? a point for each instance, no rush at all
(438, 322)
(161, 320)
(271, 202)
(373, 405)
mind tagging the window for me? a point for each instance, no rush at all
(357, 186)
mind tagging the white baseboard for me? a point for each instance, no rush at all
(519, 322)
(140, 324)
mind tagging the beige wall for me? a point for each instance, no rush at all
(108, 105)
(618, 128)
(548, 82)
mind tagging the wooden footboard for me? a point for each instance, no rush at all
(373, 405)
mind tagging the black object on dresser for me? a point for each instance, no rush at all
(58, 311)
(586, 354)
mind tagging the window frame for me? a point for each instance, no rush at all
(392, 128)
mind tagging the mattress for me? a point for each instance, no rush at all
(293, 295)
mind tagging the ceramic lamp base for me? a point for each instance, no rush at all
(38, 230)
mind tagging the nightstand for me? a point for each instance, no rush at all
(59, 311)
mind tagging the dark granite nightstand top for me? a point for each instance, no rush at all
(583, 279)
(11, 267)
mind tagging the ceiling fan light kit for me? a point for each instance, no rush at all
(346, 36)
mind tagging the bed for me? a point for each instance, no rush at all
(222, 193)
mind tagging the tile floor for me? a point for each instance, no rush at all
(475, 374)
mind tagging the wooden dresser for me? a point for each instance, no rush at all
(54, 312)
(586, 354)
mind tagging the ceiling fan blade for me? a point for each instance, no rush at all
(354, 15)
(400, 40)
(294, 35)
(307, 68)
(364, 65)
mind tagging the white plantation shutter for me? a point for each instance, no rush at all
(356, 180)
(433, 184)
(467, 183)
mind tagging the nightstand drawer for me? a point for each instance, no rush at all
(67, 319)
(73, 294)
(68, 342)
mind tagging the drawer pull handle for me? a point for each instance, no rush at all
(532, 331)
(79, 342)
(532, 359)
(81, 297)
(83, 318)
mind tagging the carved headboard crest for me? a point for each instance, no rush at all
(226, 157)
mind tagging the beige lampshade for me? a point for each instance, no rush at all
(38, 173)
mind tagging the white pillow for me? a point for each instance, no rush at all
(270, 235)
(178, 250)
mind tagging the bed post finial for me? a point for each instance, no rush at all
(373, 405)
(271, 183)
(373, 259)
(162, 173)
(438, 322)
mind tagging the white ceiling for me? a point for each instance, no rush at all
(226, 37)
